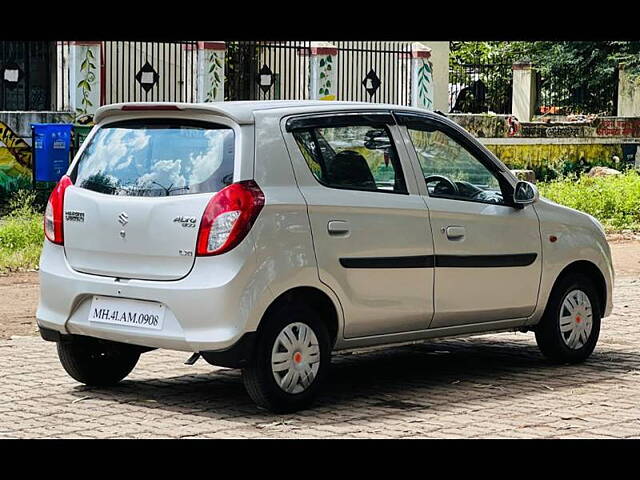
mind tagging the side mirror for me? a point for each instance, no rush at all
(525, 193)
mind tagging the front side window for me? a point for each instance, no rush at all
(451, 171)
(157, 158)
(356, 158)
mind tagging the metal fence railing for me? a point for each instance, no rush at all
(267, 70)
(34, 75)
(365, 71)
(563, 92)
(376, 72)
(149, 71)
(480, 88)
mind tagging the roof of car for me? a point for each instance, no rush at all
(242, 112)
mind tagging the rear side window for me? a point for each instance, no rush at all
(154, 158)
(354, 157)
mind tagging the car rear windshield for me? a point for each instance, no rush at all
(156, 157)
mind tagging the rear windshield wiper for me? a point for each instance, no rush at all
(169, 189)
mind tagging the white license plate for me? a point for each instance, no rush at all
(124, 311)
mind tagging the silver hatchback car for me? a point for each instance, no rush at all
(266, 235)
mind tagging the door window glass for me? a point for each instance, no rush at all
(451, 171)
(357, 158)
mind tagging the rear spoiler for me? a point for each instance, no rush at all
(170, 107)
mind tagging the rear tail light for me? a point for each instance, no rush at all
(228, 217)
(54, 212)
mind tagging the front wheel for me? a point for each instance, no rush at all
(95, 362)
(570, 326)
(290, 362)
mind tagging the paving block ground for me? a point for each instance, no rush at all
(492, 386)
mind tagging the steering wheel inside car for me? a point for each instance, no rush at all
(442, 178)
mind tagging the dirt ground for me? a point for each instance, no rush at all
(19, 291)
(19, 300)
(626, 257)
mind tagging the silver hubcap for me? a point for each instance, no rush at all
(295, 358)
(576, 319)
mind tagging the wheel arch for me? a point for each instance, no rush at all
(590, 270)
(317, 299)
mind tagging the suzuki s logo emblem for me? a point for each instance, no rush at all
(123, 218)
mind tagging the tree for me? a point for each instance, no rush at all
(488, 52)
(579, 77)
(241, 69)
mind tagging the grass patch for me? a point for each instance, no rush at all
(21, 234)
(614, 200)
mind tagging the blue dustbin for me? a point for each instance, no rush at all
(51, 145)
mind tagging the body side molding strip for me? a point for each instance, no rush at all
(420, 261)
(445, 261)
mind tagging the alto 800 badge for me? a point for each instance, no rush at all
(186, 222)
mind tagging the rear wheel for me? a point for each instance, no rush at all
(290, 362)
(95, 362)
(570, 327)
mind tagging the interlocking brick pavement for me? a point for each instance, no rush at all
(495, 386)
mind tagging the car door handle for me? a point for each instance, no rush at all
(338, 227)
(455, 232)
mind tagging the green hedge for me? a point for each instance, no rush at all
(21, 233)
(614, 200)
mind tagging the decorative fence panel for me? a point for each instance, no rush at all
(32, 75)
(265, 70)
(149, 71)
(376, 72)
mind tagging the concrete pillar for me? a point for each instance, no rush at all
(84, 78)
(523, 99)
(440, 68)
(628, 94)
(323, 66)
(422, 87)
(210, 76)
(61, 76)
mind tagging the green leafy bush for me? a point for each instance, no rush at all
(21, 233)
(614, 200)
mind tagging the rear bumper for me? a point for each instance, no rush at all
(236, 356)
(51, 335)
(209, 310)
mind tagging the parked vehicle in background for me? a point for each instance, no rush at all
(267, 235)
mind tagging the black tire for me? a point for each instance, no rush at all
(97, 363)
(549, 337)
(258, 376)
